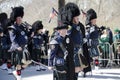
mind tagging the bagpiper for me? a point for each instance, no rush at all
(19, 39)
(60, 56)
(70, 16)
(93, 32)
(38, 44)
(5, 43)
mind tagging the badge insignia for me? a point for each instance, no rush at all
(39, 37)
(67, 40)
(26, 37)
(22, 33)
(78, 28)
(58, 61)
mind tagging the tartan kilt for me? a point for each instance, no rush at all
(94, 51)
(16, 57)
(36, 54)
(76, 60)
(80, 60)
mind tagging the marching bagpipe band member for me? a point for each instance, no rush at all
(46, 46)
(60, 56)
(5, 43)
(19, 39)
(93, 33)
(29, 30)
(38, 44)
(3, 17)
(70, 16)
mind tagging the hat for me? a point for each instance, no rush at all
(61, 26)
(37, 25)
(69, 11)
(91, 14)
(73, 8)
(17, 12)
(3, 17)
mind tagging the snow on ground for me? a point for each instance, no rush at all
(30, 74)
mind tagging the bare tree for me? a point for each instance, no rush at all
(61, 3)
(100, 2)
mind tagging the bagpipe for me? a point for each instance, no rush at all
(101, 29)
(53, 69)
(26, 58)
(27, 28)
(27, 25)
(43, 49)
(82, 59)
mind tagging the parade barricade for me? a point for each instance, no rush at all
(116, 53)
(104, 54)
(109, 55)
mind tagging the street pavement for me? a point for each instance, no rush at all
(31, 74)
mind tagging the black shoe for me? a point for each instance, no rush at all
(38, 70)
(84, 75)
(43, 69)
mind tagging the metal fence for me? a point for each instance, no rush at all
(104, 54)
(109, 55)
(116, 53)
